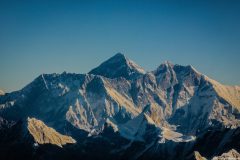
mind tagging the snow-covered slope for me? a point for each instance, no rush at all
(176, 94)
(195, 101)
(229, 93)
(135, 129)
(172, 103)
(43, 134)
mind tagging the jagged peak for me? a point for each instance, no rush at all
(163, 67)
(187, 67)
(118, 66)
(168, 63)
(176, 69)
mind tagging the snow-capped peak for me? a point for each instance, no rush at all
(118, 66)
(172, 104)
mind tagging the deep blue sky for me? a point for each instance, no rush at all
(54, 36)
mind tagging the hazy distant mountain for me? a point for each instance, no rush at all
(120, 110)
(1, 93)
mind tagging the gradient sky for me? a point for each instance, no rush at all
(75, 36)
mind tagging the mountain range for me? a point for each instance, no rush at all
(120, 111)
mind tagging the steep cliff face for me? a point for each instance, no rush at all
(173, 103)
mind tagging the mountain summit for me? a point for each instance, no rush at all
(118, 66)
(119, 110)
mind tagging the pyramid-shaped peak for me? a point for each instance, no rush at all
(119, 55)
(118, 66)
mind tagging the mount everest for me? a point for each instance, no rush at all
(120, 111)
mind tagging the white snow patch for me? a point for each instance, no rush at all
(45, 82)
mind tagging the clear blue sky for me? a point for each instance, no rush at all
(41, 36)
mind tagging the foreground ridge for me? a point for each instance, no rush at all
(43, 134)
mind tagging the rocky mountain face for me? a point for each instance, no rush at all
(232, 154)
(43, 134)
(123, 111)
